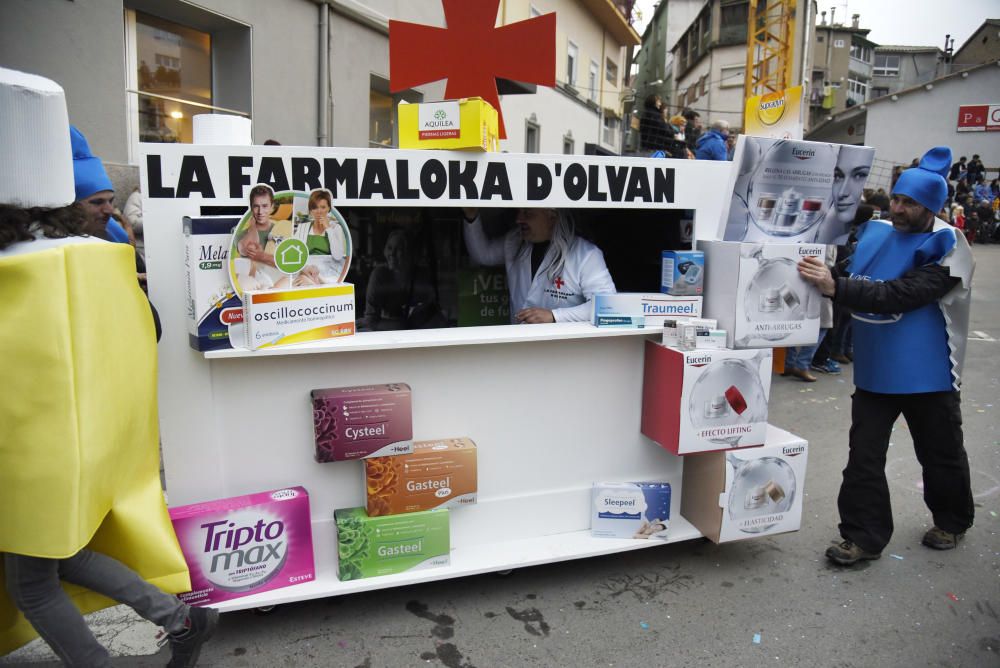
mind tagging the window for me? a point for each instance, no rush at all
(611, 71)
(532, 136)
(861, 52)
(857, 91)
(382, 112)
(879, 92)
(886, 65)
(610, 130)
(732, 76)
(733, 22)
(572, 56)
(569, 146)
(838, 44)
(593, 81)
(702, 85)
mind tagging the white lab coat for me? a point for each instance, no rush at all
(331, 268)
(567, 295)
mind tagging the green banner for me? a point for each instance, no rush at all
(482, 297)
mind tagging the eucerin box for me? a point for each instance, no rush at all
(371, 546)
(683, 272)
(630, 510)
(275, 318)
(212, 306)
(746, 493)
(245, 545)
(653, 308)
(719, 403)
(757, 295)
(437, 474)
(362, 421)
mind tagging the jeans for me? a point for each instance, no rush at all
(935, 422)
(801, 357)
(33, 585)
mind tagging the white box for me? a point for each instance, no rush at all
(757, 295)
(213, 308)
(682, 272)
(711, 339)
(630, 510)
(653, 307)
(672, 328)
(284, 317)
(703, 400)
(746, 493)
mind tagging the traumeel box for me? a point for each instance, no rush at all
(653, 308)
(469, 123)
(371, 546)
(212, 306)
(245, 545)
(683, 272)
(757, 295)
(275, 318)
(362, 421)
(630, 510)
(746, 493)
(437, 474)
(702, 400)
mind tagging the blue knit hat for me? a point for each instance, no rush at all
(89, 176)
(926, 182)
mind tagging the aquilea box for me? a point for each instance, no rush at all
(371, 546)
(245, 545)
(362, 421)
(284, 317)
(437, 474)
(212, 306)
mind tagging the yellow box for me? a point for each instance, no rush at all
(470, 123)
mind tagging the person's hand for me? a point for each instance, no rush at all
(470, 214)
(534, 316)
(258, 255)
(813, 270)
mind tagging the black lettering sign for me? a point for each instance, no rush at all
(305, 174)
(496, 182)
(194, 177)
(575, 181)
(376, 181)
(155, 173)
(238, 178)
(433, 179)
(460, 179)
(335, 173)
(539, 181)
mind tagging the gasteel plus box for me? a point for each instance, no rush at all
(246, 544)
(371, 546)
(362, 421)
(437, 474)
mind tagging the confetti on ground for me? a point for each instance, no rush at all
(341, 644)
(756, 639)
(952, 597)
(993, 513)
(644, 625)
(980, 410)
(896, 556)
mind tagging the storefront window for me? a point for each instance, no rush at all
(382, 104)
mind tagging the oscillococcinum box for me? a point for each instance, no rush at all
(275, 318)
(362, 421)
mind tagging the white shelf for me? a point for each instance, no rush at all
(432, 338)
(471, 560)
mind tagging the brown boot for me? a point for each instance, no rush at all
(801, 374)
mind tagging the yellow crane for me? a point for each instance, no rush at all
(770, 46)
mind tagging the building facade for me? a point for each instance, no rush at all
(899, 67)
(842, 68)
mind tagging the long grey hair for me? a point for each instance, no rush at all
(563, 236)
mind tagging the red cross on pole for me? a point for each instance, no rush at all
(471, 53)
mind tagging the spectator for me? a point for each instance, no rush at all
(692, 128)
(957, 169)
(132, 213)
(976, 170)
(654, 133)
(94, 192)
(712, 144)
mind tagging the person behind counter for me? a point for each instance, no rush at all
(552, 274)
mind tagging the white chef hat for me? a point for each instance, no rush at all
(37, 165)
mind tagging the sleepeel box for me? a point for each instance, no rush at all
(362, 421)
(212, 306)
(719, 403)
(652, 308)
(372, 546)
(683, 272)
(437, 474)
(246, 544)
(630, 510)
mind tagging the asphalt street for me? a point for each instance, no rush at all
(767, 601)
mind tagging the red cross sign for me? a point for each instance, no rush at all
(471, 53)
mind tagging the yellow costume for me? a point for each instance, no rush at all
(79, 457)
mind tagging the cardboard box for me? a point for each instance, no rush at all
(704, 400)
(630, 510)
(654, 308)
(212, 305)
(245, 545)
(683, 272)
(437, 474)
(470, 123)
(756, 294)
(274, 318)
(672, 328)
(362, 421)
(746, 493)
(372, 546)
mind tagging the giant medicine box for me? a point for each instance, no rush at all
(720, 402)
(755, 292)
(746, 493)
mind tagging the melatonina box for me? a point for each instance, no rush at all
(630, 510)
(212, 306)
(371, 546)
(437, 474)
(652, 308)
(469, 123)
(683, 272)
(362, 421)
(274, 318)
(246, 544)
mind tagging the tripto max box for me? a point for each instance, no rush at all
(246, 544)
(362, 421)
(371, 546)
(720, 403)
(746, 493)
(437, 474)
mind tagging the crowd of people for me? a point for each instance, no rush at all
(682, 135)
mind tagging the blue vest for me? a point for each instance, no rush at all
(900, 353)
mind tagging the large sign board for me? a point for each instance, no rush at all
(978, 118)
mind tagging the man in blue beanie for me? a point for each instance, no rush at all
(94, 191)
(909, 286)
